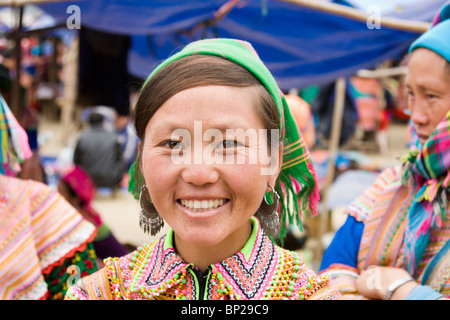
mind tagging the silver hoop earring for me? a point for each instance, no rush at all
(149, 218)
(268, 214)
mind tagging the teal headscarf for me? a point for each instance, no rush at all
(437, 37)
(297, 181)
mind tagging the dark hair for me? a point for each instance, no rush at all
(95, 118)
(197, 71)
(72, 192)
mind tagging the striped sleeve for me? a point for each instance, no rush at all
(39, 230)
(93, 287)
(363, 205)
(58, 229)
(343, 279)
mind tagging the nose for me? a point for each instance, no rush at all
(419, 112)
(200, 174)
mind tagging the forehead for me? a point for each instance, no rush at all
(426, 67)
(220, 106)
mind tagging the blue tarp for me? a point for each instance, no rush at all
(300, 46)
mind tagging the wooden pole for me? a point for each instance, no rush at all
(68, 101)
(336, 126)
(355, 14)
(383, 73)
(16, 103)
(25, 2)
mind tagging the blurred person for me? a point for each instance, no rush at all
(301, 111)
(98, 152)
(5, 83)
(368, 96)
(78, 189)
(127, 139)
(32, 167)
(323, 107)
(45, 244)
(395, 241)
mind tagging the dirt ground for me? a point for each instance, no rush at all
(121, 211)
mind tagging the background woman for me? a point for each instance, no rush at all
(77, 187)
(45, 244)
(394, 244)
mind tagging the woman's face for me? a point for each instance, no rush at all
(204, 177)
(428, 88)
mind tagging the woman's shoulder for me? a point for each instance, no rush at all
(382, 189)
(301, 280)
(124, 268)
(118, 272)
(17, 185)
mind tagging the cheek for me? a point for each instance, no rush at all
(248, 181)
(440, 111)
(155, 169)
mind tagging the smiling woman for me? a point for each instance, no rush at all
(217, 108)
(240, 187)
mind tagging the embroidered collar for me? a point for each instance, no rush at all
(261, 270)
(157, 271)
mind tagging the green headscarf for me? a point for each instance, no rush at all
(297, 181)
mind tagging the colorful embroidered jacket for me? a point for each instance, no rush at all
(261, 270)
(370, 237)
(44, 242)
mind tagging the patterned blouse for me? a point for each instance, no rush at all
(371, 237)
(45, 244)
(261, 270)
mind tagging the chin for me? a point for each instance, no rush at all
(203, 238)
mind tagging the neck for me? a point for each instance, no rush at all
(204, 256)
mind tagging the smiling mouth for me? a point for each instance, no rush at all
(202, 205)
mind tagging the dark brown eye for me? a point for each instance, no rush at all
(174, 144)
(229, 144)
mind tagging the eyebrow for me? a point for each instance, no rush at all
(428, 88)
(422, 87)
(170, 126)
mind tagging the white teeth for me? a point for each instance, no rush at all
(199, 205)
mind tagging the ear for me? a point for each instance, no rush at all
(276, 167)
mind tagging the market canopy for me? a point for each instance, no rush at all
(301, 42)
